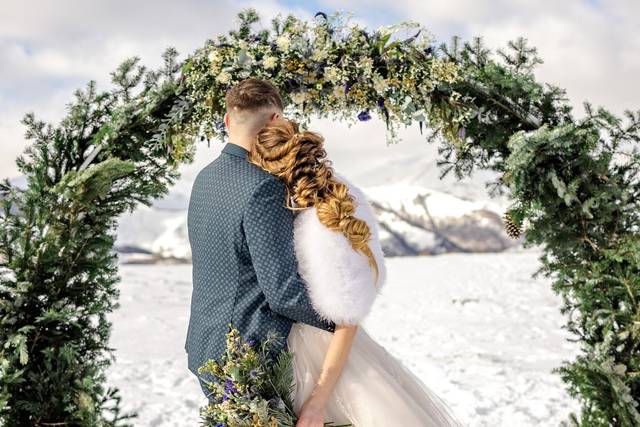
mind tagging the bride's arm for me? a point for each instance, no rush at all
(312, 413)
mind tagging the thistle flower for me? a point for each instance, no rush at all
(347, 87)
(363, 116)
(229, 387)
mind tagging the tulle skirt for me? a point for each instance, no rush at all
(374, 389)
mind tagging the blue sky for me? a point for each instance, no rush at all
(590, 47)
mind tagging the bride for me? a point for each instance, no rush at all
(344, 377)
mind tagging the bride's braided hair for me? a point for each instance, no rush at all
(299, 159)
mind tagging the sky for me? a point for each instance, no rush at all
(48, 49)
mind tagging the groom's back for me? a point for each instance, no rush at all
(225, 288)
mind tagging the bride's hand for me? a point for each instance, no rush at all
(311, 414)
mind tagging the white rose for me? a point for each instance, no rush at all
(331, 74)
(338, 91)
(380, 84)
(283, 42)
(269, 62)
(319, 55)
(298, 97)
(223, 77)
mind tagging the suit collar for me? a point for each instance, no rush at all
(235, 150)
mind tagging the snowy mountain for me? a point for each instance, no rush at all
(418, 212)
(413, 220)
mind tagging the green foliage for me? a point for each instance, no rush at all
(251, 385)
(575, 186)
(328, 68)
(57, 268)
(248, 386)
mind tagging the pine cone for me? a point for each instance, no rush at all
(513, 230)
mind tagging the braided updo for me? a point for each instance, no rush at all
(299, 160)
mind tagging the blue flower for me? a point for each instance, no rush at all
(229, 387)
(250, 342)
(363, 116)
(347, 87)
(219, 425)
(380, 102)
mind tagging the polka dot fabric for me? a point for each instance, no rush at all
(244, 267)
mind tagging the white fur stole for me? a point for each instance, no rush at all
(339, 279)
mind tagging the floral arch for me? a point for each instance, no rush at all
(574, 185)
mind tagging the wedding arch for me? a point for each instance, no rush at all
(574, 186)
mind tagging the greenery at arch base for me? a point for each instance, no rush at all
(574, 184)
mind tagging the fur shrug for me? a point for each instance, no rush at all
(339, 279)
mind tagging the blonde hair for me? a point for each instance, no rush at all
(299, 159)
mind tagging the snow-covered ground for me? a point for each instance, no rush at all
(476, 328)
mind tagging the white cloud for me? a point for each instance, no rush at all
(50, 48)
(590, 48)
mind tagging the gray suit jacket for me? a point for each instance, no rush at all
(244, 269)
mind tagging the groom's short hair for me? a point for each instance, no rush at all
(253, 94)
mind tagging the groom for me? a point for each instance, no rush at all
(244, 267)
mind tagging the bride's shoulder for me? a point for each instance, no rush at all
(339, 279)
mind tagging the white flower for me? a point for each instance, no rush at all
(269, 62)
(214, 57)
(331, 74)
(224, 77)
(367, 65)
(385, 29)
(299, 97)
(283, 42)
(338, 91)
(319, 55)
(380, 84)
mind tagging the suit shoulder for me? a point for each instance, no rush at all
(262, 182)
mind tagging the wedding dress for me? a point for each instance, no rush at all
(374, 389)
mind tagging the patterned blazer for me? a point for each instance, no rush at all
(244, 269)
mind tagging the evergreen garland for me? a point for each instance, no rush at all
(574, 183)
